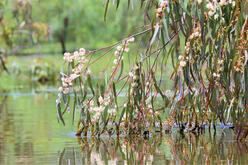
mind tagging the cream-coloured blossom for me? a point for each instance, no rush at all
(112, 111)
(131, 39)
(92, 102)
(180, 57)
(131, 74)
(88, 71)
(211, 13)
(117, 53)
(216, 16)
(222, 2)
(68, 57)
(100, 99)
(115, 61)
(183, 63)
(119, 48)
(82, 51)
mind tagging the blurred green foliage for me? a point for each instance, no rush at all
(17, 27)
(78, 22)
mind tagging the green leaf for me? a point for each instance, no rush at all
(106, 10)
(90, 84)
(117, 4)
(154, 34)
(166, 28)
(166, 100)
(141, 3)
(105, 114)
(74, 106)
(122, 66)
(59, 114)
(115, 95)
(122, 113)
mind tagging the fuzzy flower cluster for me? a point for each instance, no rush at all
(161, 8)
(195, 35)
(78, 57)
(97, 110)
(121, 49)
(67, 83)
(183, 60)
(243, 56)
(133, 78)
(214, 6)
(239, 66)
(220, 67)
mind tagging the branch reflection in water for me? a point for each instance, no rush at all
(166, 149)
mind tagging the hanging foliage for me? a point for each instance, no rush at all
(207, 44)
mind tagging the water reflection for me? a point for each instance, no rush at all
(30, 134)
(167, 149)
(9, 132)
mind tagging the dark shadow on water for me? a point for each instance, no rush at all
(167, 149)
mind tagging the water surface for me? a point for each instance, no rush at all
(30, 134)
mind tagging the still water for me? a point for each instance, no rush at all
(30, 134)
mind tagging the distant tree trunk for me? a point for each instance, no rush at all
(63, 46)
(63, 34)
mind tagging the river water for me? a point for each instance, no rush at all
(30, 134)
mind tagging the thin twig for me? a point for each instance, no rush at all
(134, 35)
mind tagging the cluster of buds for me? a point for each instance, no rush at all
(120, 50)
(214, 6)
(242, 49)
(194, 36)
(220, 67)
(187, 47)
(103, 102)
(225, 2)
(239, 66)
(77, 56)
(199, 1)
(160, 13)
(133, 78)
(183, 60)
(161, 8)
(97, 115)
(216, 75)
(67, 83)
(112, 111)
